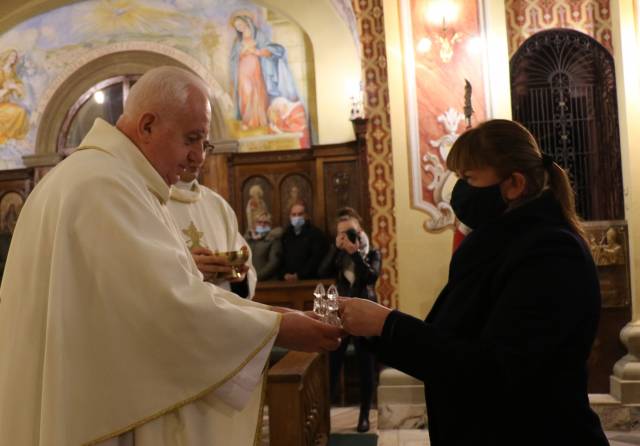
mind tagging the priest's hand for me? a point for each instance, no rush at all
(240, 273)
(300, 332)
(362, 317)
(210, 265)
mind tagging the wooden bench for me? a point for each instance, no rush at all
(297, 295)
(298, 400)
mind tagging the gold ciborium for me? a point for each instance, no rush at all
(236, 259)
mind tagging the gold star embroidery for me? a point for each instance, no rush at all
(194, 235)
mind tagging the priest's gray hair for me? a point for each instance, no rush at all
(164, 88)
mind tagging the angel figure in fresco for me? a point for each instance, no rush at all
(289, 117)
(260, 73)
(14, 122)
(255, 205)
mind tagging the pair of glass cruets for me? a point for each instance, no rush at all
(325, 305)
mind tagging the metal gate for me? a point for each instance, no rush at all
(563, 91)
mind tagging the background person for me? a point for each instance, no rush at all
(358, 268)
(266, 247)
(303, 246)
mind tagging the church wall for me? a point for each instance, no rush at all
(336, 63)
(626, 45)
(301, 62)
(423, 257)
(525, 18)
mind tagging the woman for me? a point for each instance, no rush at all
(266, 247)
(503, 351)
(358, 268)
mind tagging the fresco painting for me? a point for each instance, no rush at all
(263, 105)
(266, 100)
(445, 77)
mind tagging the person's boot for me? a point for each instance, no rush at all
(363, 421)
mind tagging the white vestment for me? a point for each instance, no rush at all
(203, 214)
(107, 330)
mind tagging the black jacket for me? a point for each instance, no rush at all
(503, 352)
(302, 253)
(366, 272)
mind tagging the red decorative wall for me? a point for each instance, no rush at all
(370, 19)
(527, 17)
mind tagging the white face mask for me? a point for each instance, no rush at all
(297, 222)
(262, 230)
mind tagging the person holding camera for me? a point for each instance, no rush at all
(358, 268)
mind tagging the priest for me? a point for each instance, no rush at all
(108, 333)
(209, 226)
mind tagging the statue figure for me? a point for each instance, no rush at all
(609, 251)
(468, 108)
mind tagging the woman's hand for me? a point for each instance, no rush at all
(343, 243)
(362, 317)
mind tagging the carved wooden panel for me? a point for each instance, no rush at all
(325, 178)
(609, 245)
(293, 188)
(257, 197)
(15, 185)
(298, 399)
(341, 188)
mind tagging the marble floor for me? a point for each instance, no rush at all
(344, 420)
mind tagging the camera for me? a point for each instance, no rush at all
(352, 235)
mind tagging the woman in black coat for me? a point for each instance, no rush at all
(503, 351)
(358, 268)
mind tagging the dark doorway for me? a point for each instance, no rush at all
(563, 90)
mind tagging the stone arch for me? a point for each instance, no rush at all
(108, 61)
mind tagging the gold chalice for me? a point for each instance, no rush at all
(236, 259)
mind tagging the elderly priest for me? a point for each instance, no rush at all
(108, 334)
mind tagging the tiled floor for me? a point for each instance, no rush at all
(344, 419)
(624, 438)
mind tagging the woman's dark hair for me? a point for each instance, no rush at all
(509, 147)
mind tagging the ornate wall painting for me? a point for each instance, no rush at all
(14, 115)
(445, 54)
(48, 45)
(257, 195)
(268, 109)
(10, 207)
(371, 29)
(292, 189)
(525, 18)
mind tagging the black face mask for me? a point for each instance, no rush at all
(476, 206)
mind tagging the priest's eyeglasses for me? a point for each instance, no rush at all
(207, 147)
